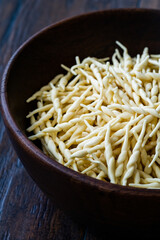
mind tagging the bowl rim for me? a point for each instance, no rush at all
(37, 153)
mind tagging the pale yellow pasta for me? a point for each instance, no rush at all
(102, 118)
(135, 155)
(123, 155)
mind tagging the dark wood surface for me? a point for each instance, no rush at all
(25, 212)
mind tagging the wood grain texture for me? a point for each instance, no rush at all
(149, 4)
(25, 212)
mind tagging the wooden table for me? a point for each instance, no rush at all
(25, 212)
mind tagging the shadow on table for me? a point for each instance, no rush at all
(126, 232)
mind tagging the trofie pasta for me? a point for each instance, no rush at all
(102, 118)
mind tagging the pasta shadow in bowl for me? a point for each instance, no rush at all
(35, 63)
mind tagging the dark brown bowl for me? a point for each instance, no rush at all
(33, 65)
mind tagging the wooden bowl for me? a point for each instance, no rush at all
(33, 65)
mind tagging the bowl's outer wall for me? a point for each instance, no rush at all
(36, 64)
(91, 203)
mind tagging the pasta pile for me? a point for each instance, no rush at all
(102, 118)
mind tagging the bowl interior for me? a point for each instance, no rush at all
(35, 64)
(38, 61)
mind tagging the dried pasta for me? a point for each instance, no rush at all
(102, 118)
